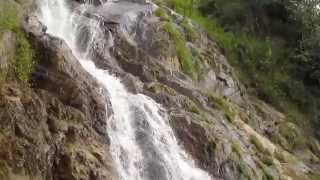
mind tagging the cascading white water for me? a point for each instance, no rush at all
(143, 145)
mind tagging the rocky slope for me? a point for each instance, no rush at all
(54, 126)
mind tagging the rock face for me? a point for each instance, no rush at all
(216, 121)
(55, 129)
(7, 49)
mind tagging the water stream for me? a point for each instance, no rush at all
(143, 145)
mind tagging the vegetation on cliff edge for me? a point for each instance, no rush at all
(10, 20)
(274, 46)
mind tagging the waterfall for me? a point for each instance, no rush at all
(143, 145)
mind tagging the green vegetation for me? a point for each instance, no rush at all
(267, 171)
(314, 176)
(292, 135)
(257, 143)
(9, 17)
(191, 34)
(236, 147)
(10, 20)
(194, 108)
(159, 88)
(24, 58)
(162, 14)
(284, 157)
(267, 159)
(184, 55)
(222, 104)
(273, 44)
(211, 148)
(277, 138)
(314, 146)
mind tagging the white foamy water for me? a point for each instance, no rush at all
(143, 145)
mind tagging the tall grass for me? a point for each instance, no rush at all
(25, 62)
(10, 17)
(183, 53)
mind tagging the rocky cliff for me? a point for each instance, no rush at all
(54, 125)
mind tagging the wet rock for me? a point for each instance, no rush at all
(93, 2)
(133, 84)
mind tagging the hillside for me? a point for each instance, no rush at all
(95, 90)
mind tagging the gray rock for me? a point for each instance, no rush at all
(132, 83)
(7, 51)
